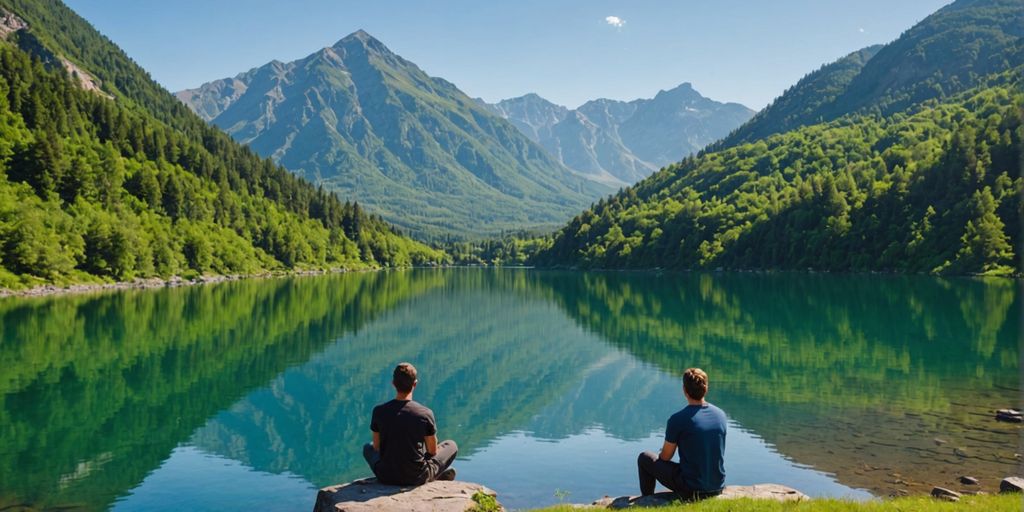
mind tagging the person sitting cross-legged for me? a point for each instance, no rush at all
(405, 450)
(697, 431)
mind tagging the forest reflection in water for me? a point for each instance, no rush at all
(884, 382)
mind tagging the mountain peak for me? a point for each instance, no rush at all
(362, 38)
(530, 98)
(360, 35)
(683, 91)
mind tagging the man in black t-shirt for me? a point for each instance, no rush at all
(405, 450)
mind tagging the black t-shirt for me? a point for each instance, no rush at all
(402, 425)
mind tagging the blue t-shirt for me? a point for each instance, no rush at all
(699, 432)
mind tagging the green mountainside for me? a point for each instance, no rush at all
(949, 52)
(105, 176)
(933, 188)
(372, 126)
(936, 191)
(802, 104)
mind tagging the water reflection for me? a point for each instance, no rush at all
(888, 382)
(95, 391)
(884, 382)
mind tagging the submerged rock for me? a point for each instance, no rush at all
(1012, 484)
(968, 480)
(1010, 415)
(774, 492)
(369, 494)
(945, 494)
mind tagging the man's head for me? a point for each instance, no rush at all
(695, 383)
(404, 377)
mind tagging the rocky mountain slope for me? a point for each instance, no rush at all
(621, 142)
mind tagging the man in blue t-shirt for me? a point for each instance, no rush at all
(698, 431)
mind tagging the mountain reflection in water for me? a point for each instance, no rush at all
(834, 382)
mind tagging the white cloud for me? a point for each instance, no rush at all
(615, 21)
(861, 30)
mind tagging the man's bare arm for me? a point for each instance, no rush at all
(668, 450)
(431, 442)
(376, 441)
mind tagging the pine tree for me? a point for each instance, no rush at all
(984, 244)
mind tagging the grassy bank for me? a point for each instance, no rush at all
(987, 503)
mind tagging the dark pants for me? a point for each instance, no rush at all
(446, 452)
(652, 469)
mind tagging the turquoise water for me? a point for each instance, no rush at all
(255, 393)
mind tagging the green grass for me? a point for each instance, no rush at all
(993, 503)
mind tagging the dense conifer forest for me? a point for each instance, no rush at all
(125, 182)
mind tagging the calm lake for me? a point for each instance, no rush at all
(253, 394)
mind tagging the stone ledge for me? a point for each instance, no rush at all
(774, 492)
(368, 494)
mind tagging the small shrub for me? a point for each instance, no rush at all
(485, 503)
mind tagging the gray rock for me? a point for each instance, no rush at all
(370, 495)
(945, 494)
(968, 480)
(1011, 484)
(758, 491)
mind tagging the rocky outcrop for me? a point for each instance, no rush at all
(85, 80)
(774, 492)
(9, 23)
(371, 495)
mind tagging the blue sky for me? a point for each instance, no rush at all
(567, 51)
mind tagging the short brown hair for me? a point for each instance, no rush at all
(404, 377)
(695, 382)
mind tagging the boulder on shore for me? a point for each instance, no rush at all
(1012, 484)
(774, 492)
(369, 494)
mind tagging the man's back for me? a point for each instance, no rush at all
(403, 425)
(699, 431)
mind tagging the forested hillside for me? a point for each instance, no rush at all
(901, 158)
(948, 52)
(938, 190)
(125, 182)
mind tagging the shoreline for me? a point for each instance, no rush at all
(723, 270)
(51, 290)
